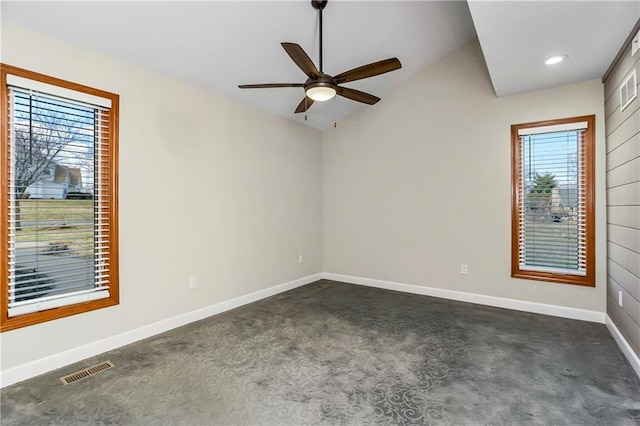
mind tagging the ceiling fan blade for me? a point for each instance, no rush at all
(301, 59)
(357, 95)
(269, 85)
(304, 105)
(368, 70)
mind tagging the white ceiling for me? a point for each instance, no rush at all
(517, 36)
(218, 45)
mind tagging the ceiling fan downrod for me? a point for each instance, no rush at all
(319, 5)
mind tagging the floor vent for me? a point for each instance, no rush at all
(83, 374)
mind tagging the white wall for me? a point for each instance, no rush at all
(420, 184)
(208, 187)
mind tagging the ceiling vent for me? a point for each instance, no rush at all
(628, 90)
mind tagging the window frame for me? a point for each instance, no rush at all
(10, 323)
(587, 280)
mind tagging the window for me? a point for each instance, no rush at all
(58, 211)
(552, 212)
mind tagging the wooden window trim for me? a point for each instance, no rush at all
(11, 323)
(589, 147)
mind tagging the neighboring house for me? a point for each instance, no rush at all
(56, 182)
(564, 200)
(556, 206)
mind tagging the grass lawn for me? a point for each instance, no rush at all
(57, 223)
(56, 209)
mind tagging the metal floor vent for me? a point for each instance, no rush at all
(83, 374)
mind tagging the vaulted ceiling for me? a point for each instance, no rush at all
(218, 45)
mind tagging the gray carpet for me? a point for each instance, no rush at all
(333, 353)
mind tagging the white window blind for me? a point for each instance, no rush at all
(59, 186)
(552, 192)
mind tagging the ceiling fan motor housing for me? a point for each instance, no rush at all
(323, 80)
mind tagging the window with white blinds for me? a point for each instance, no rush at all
(59, 216)
(552, 211)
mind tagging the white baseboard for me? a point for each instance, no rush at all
(480, 299)
(44, 365)
(501, 302)
(624, 345)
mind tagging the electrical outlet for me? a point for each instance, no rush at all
(464, 269)
(300, 259)
(620, 298)
(193, 282)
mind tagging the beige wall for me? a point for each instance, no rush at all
(421, 184)
(412, 188)
(623, 202)
(208, 187)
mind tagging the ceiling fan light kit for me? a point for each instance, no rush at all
(320, 93)
(321, 87)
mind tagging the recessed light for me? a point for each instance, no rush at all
(556, 59)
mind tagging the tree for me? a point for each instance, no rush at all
(41, 134)
(540, 193)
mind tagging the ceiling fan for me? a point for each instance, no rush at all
(322, 87)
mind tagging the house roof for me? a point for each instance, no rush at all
(61, 173)
(73, 175)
